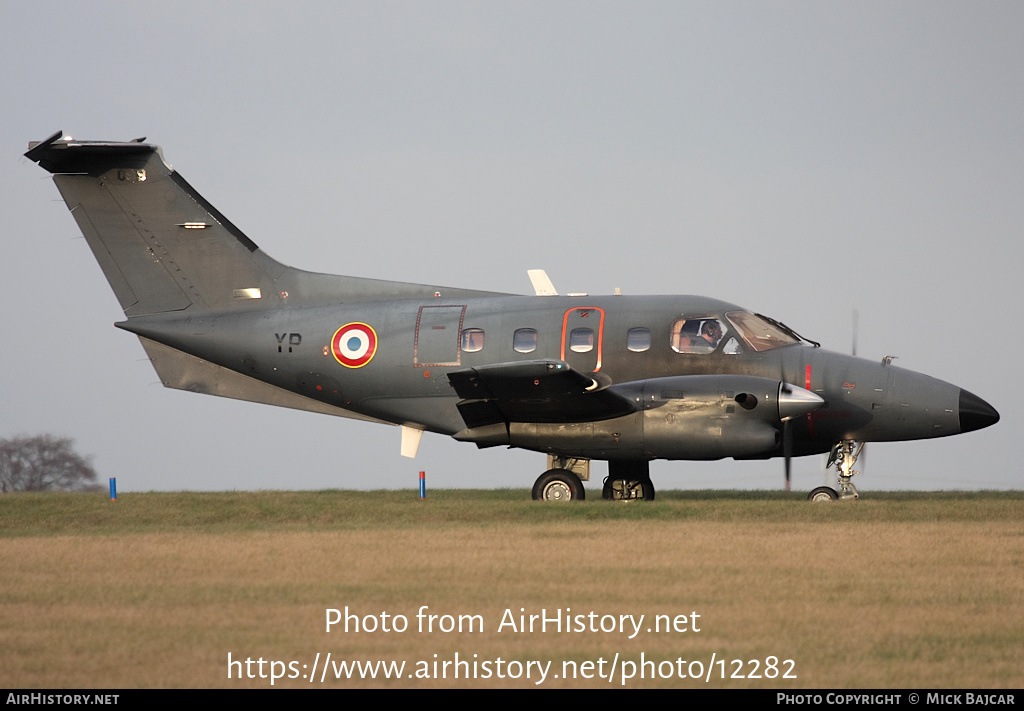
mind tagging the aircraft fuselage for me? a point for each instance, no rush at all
(420, 341)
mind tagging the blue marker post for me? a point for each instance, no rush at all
(423, 485)
(113, 488)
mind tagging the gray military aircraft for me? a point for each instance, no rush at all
(626, 379)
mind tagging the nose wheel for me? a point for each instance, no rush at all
(823, 493)
(844, 455)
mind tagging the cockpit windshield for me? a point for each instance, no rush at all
(760, 334)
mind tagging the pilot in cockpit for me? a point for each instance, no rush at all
(710, 335)
(688, 337)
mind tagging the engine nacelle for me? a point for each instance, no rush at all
(710, 417)
(680, 417)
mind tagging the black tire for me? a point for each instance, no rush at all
(558, 485)
(823, 493)
(628, 489)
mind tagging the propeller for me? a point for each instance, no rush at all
(787, 432)
(797, 403)
(794, 402)
(861, 451)
(787, 390)
(856, 319)
(787, 451)
(853, 352)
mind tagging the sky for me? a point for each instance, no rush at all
(801, 159)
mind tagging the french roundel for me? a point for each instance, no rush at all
(354, 344)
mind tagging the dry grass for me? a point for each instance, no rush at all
(155, 590)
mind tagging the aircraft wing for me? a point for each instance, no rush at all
(535, 391)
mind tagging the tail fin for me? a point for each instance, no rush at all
(160, 244)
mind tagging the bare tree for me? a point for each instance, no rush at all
(42, 463)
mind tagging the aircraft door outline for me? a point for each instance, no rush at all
(584, 354)
(438, 330)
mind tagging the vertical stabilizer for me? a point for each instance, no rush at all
(160, 244)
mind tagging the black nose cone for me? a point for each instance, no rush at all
(975, 413)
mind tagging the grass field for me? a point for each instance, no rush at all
(909, 590)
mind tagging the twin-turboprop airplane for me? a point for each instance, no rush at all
(626, 379)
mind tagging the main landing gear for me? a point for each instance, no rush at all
(628, 481)
(844, 455)
(627, 489)
(563, 481)
(558, 485)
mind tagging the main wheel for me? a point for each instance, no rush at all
(823, 493)
(558, 485)
(628, 489)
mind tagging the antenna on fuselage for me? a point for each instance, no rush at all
(542, 285)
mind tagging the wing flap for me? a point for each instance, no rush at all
(534, 391)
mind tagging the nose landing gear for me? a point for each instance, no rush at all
(844, 455)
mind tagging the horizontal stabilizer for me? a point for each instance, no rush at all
(60, 154)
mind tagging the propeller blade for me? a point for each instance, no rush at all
(787, 451)
(785, 393)
(856, 321)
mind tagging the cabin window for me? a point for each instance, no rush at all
(697, 335)
(581, 340)
(524, 340)
(638, 340)
(472, 339)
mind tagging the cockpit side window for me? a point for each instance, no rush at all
(700, 334)
(758, 333)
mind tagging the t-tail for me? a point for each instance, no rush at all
(160, 244)
(164, 248)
